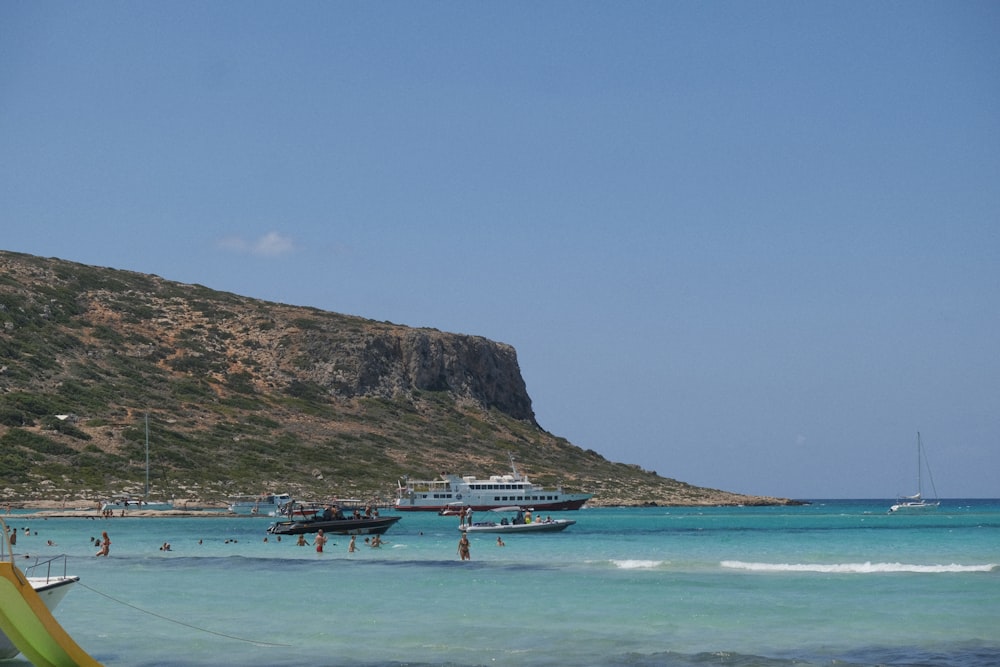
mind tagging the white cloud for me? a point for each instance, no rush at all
(271, 244)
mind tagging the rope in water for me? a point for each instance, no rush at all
(182, 623)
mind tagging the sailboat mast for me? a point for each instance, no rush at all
(146, 494)
(920, 476)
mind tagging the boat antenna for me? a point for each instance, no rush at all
(513, 466)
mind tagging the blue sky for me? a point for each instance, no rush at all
(753, 246)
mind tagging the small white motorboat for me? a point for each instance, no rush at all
(522, 522)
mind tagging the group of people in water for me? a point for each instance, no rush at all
(12, 538)
(321, 540)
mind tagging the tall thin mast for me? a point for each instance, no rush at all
(146, 494)
(920, 472)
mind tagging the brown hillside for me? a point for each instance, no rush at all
(244, 396)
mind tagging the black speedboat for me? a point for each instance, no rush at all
(346, 526)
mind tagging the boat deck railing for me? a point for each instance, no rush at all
(47, 570)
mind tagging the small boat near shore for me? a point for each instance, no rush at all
(128, 503)
(452, 492)
(266, 504)
(522, 522)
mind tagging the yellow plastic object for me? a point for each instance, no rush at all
(30, 625)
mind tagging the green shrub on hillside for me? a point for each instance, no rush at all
(33, 441)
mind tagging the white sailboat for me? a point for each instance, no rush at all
(917, 502)
(125, 501)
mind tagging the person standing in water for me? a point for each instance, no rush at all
(319, 541)
(463, 547)
(105, 545)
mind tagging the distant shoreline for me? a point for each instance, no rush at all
(91, 509)
(132, 514)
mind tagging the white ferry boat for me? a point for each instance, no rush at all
(453, 491)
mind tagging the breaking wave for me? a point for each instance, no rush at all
(855, 568)
(634, 564)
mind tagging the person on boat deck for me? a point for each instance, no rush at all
(328, 513)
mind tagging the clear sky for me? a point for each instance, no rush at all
(748, 245)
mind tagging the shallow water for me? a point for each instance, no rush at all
(835, 582)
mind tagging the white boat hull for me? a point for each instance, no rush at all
(553, 526)
(913, 508)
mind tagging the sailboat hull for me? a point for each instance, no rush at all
(914, 507)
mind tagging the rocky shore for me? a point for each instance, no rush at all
(91, 509)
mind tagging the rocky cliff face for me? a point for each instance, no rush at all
(188, 329)
(397, 361)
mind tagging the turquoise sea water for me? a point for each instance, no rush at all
(831, 583)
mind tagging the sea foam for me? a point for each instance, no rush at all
(855, 568)
(634, 564)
